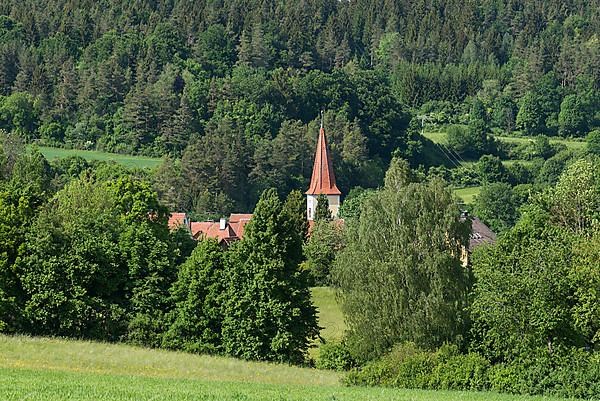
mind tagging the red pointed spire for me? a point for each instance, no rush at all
(323, 178)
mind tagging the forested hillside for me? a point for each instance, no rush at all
(232, 90)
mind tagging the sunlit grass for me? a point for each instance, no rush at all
(126, 160)
(467, 194)
(37, 369)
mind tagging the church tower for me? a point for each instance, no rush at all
(323, 180)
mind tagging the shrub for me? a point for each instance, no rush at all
(406, 366)
(593, 142)
(335, 356)
(566, 372)
(461, 372)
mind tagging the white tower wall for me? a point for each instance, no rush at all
(311, 205)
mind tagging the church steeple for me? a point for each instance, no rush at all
(323, 179)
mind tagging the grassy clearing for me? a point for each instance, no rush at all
(569, 143)
(52, 370)
(440, 137)
(467, 194)
(436, 137)
(331, 318)
(126, 160)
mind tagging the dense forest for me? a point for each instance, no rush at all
(231, 91)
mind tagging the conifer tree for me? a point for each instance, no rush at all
(268, 314)
(322, 211)
(196, 319)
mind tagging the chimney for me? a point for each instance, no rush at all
(222, 223)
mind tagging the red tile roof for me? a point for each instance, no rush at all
(177, 220)
(238, 222)
(323, 178)
(212, 229)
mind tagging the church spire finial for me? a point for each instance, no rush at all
(322, 117)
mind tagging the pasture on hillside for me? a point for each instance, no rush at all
(440, 137)
(51, 153)
(40, 369)
(467, 195)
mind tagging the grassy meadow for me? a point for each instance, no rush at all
(467, 194)
(37, 369)
(440, 137)
(126, 160)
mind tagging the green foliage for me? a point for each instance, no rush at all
(320, 249)
(593, 142)
(335, 356)
(396, 256)
(19, 114)
(470, 141)
(497, 206)
(575, 201)
(322, 211)
(352, 204)
(267, 313)
(491, 169)
(295, 207)
(566, 373)
(572, 119)
(72, 271)
(530, 118)
(407, 366)
(197, 295)
(509, 317)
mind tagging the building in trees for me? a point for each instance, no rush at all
(322, 186)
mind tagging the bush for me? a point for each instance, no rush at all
(383, 371)
(461, 372)
(406, 366)
(567, 372)
(335, 356)
(593, 142)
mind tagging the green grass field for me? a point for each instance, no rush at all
(331, 318)
(467, 194)
(440, 137)
(37, 369)
(126, 160)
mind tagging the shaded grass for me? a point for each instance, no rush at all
(436, 137)
(51, 370)
(126, 160)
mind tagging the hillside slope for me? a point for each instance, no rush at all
(55, 369)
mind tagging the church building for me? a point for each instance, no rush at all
(322, 181)
(231, 229)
